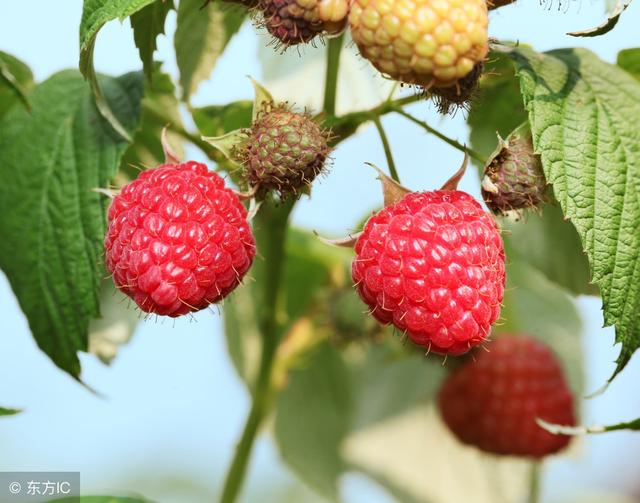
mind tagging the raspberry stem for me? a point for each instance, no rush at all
(472, 153)
(387, 148)
(270, 231)
(331, 82)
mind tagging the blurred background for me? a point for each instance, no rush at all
(171, 407)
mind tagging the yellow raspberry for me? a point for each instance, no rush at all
(431, 43)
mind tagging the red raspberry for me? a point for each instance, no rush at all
(178, 239)
(493, 402)
(433, 265)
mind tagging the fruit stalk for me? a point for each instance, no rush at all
(271, 228)
(331, 82)
(387, 148)
(473, 154)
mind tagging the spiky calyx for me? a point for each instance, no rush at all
(294, 22)
(513, 177)
(458, 96)
(430, 43)
(284, 152)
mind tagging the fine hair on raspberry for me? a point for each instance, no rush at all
(178, 240)
(432, 264)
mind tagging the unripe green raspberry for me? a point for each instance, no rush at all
(431, 43)
(294, 22)
(513, 177)
(284, 152)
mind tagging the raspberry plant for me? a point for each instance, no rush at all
(99, 182)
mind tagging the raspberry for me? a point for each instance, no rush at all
(178, 239)
(513, 178)
(294, 22)
(423, 42)
(492, 402)
(285, 150)
(433, 265)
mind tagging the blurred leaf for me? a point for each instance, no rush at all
(309, 265)
(201, 36)
(584, 114)
(160, 108)
(147, 24)
(116, 324)
(218, 120)
(312, 419)
(536, 306)
(607, 25)
(416, 452)
(16, 80)
(545, 239)
(95, 14)
(548, 242)
(54, 223)
(350, 391)
(9, 412)
(288, 77)
(629, 60)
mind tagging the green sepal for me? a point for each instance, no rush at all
(262, 100)
(228, 144)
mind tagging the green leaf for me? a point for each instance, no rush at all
(583, 114)
(544, 239)
(147, 24)
(160, 108)
(218, 120)
(9, 412)
(95, 14)
(629, 60)
(54, 223)
(16, 80)
(201, 36)
(607, 25)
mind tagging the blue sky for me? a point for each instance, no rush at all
(174, 406)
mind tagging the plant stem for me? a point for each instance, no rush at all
(343, 127)
(387, 148)
(534, 483)
(270, 229)
(473, 154)
(331, 81)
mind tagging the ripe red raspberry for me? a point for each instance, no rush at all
(433, 265)
(178, 239)
(492, 402)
